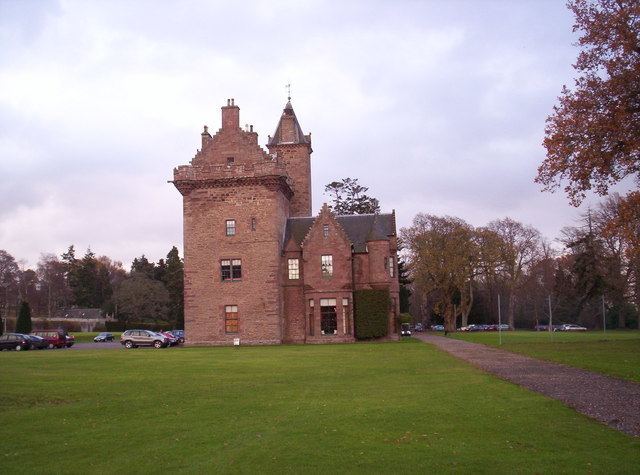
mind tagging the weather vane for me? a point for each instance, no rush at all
(288, 86)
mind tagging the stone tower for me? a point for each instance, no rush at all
(236, 201)
(293, 149)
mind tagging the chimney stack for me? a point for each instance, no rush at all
(230, 116)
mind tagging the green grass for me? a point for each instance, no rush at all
(367, 408)
(616, 352)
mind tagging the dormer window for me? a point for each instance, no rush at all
(325, 230)
(230, 161)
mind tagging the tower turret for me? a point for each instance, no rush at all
(293, 148)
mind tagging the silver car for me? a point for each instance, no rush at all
(135, 338)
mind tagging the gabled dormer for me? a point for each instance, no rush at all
(327, 254)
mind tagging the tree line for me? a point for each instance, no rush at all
(592, 142)
(148, 293)
(460, 271)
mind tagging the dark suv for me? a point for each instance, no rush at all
(135, 338)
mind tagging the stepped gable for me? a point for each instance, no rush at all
(230, 141)
(232, 157)
(360, 228)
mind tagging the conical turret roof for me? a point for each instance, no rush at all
(288, 130)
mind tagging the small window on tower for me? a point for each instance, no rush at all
(231, 269)
(253, 224)
(230, 161)
(325, 230)
(231, 227)
(231, 319)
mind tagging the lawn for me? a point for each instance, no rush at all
(369, 408)
(616, 352)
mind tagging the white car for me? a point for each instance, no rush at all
(570, 327)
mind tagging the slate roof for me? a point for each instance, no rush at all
(359, 227)
(300, 137)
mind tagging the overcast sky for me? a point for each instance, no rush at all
(437, 106)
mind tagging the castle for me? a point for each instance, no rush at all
(258, 267)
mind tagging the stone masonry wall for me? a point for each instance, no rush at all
(297, 162)
(257, 294)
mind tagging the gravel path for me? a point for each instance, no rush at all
(613, 401)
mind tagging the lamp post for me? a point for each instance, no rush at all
(499, 322)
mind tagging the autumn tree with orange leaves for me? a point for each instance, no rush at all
(593, 136)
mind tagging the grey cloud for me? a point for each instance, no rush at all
(436, 106)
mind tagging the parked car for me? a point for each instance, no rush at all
(437, 328)
(405, 329)
(37, 342)
(419, 327)
(173, 340)
(103, 337)
(55, 338)
(179, 334)
(570, 327)
(70, 340)
(135, 338)
(14, 341)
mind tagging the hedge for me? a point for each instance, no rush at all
(371, 313)
(122, 326)
(405, 318)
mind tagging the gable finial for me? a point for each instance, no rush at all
(288, 86)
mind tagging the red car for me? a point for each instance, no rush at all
(173, 340)
(56, 338)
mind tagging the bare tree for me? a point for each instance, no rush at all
(519, 248)
(442, 258)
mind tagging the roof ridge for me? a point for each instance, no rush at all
(362, 214)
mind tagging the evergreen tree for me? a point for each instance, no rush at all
(141, 299)
(71, 272)
(159, 272)
(86, 290)
(405, 291)
(349, 197)
(143, 266)
(23, 325)
(405, 281)
(174, 281)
